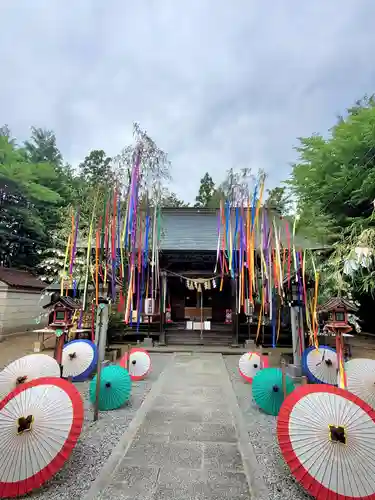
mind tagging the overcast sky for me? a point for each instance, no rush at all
(216, 83)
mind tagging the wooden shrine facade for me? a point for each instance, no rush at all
(196, 295)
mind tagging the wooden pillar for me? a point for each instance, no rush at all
(163, 283)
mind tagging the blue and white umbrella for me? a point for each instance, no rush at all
(79, 359)
(320, 365)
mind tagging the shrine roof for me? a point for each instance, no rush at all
(197, 229)
(18, 278)
(338, 303)
(67, 302)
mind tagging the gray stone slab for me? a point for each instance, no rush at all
(166, 415)
(197, 400)
(218, 415)
(210, 413)
(155, 427)
(196, 485)
(129, 482)
(143, 438)
(174, 454)
(222, 456)
(189, 431)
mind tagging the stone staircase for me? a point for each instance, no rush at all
(220, 335)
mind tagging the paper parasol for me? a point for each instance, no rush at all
(320, 365)
(268, 389)
(79, 359)
(139, 363)
(115, 388)
(327, 437)
(25, 369)
(40, 422)
(360, 379)
(249, 365)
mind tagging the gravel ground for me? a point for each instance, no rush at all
(97, 440)
(263, 438)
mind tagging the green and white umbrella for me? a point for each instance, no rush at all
(115, 388)
(268, 389)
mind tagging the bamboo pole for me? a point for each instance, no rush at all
(283, 377)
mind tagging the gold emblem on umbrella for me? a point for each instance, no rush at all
(24, 424)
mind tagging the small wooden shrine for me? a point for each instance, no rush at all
(61, 320)
(62, 312)
(336, 312)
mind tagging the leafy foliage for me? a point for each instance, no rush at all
(279, 199)
(23, 191)
(334, 185)
(206, 192)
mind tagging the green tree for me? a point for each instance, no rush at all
(23, 191)
(170, 199)
(42, 147)
(337, 175)
(5, 132)
(334, 186)
(278, 199)
(96, 168)
(206, 192)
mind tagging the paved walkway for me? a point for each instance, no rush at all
(187, 441)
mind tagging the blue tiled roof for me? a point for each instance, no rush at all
(188, 230)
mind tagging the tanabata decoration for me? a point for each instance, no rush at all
(327, 437)
(40, 423)
(115, 388)
(79, 359)
(258, 249)
(320, 365)
(249, 365)
(268, 391)
(138, 365)
(122, 251)
(25, 369)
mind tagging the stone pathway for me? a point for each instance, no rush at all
(186, 442)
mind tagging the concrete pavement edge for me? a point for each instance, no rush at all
(253, 469)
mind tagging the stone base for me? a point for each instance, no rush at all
(294, 372)
(147, 342)
(250, 345)
(274, 359)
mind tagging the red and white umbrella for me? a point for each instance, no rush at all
(139, 365)
(26, 369)
(360, 379)
(250, 363)
(327, 437)
(40, 422)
